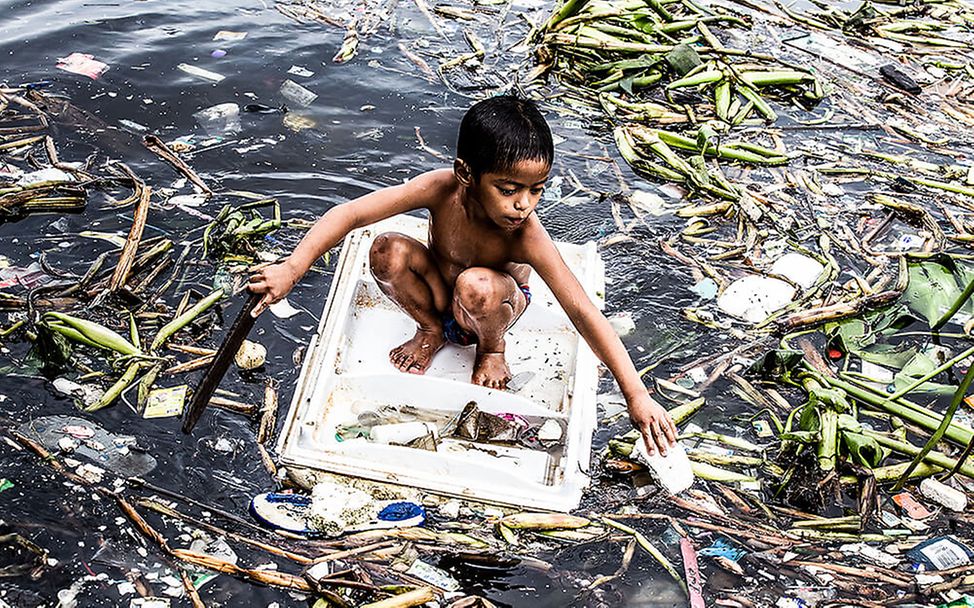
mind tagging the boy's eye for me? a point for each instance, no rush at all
(537, 190)
(508, 191)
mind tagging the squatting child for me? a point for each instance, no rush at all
(471, 283)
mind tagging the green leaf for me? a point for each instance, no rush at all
(626, 84)
(931, 291)
(51, 351)
(863, 450)
(920, 365)
(777, 363)
(894, 356)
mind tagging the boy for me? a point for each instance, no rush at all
(470, 285)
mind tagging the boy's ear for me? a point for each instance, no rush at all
(463, 172)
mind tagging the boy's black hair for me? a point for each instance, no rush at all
(498, 132)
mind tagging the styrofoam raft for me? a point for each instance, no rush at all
(347, 371)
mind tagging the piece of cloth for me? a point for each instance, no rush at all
(460, 336)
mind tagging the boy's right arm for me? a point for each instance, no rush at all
(276, 280)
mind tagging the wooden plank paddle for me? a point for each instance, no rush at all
(221, 361)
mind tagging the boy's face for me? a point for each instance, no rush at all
(509, 197)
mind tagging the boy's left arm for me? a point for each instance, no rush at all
(648, 416)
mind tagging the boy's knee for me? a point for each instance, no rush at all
(388, 254)
(476, 289)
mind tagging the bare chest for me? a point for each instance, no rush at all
(457, 245)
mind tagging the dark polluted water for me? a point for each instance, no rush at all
(359, 134)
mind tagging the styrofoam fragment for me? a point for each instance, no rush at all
(943, 495)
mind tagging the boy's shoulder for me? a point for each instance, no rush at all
(436, 181)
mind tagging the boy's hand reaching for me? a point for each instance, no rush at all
(654, 422)
(274, 281)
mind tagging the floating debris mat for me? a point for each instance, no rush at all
(25, 188)
(473, 48)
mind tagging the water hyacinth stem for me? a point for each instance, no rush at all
(97, 334)
(650, 548)
(959, 395)
(932, 457)
(116, 389)
(185, 319)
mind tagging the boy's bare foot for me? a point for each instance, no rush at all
(490, 370)
(415, 355)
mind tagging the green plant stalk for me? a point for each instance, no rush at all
(893, 472)
(185, 319)
(589, 42)
(704, 77)
(621, 448)
(650, 548)
(116, 389)
(734, 442)
(759, 103)
(569, 8)
(915, 414)
(73, 334)
(713, 473)
(780, 78)
(932, 457)
(134, 332)
(6, 332)
(828, 443)
(726, 151)
(931, 375)
(732, 460)
(741, 114)
(960, 301)
(684, 411)
(625, 144)
(509, 536)
(145, 385)
(766, 152)
(98, 334)
(959, 395)
(722, 99)
(653, 110)
(657, 6)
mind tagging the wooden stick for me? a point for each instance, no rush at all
(224, 356)
(158, 507)
(870, 573)
(192, 364)
(268, 416)
(415, 597)
(191, 591)
(271, 578)
(357, 551)
(266, 459)
(161, 150)
(230, 405)
(127, 257)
